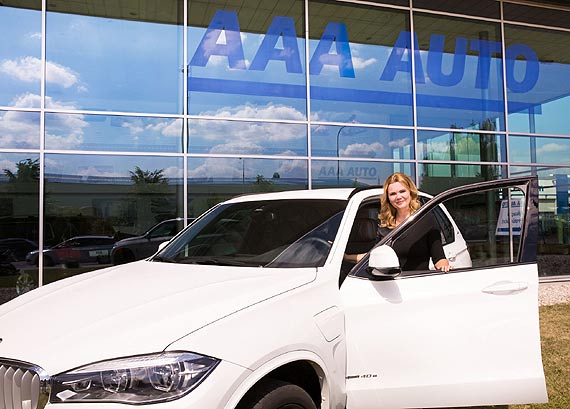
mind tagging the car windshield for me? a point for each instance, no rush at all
(271, 233)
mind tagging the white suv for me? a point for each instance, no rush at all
(252, 307)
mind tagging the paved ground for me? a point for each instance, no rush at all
(554, 292)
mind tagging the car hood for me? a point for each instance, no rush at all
(130, 309)
(130, 240)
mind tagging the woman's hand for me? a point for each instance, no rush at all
(443, 265)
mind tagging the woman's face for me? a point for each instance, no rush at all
(399, 196)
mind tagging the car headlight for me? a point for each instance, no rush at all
(139, 379)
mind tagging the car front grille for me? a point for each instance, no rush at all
(22, 385)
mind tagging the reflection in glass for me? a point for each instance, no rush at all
(20, 52)
(126, 58)
(359, 64)
(114, 133)
(436, 177)
(538, 68)
(105, 196)
(459, 76)
(362, 142)
(241, 66)
(19, 222)
(212, 180)
(461, 146)
(533, 149)
(554, 217)
(261, 138)
(19, 130)
(481, 8)
(327, 173)
(534, 14)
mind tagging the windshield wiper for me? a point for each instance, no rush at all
(218, 261)
(164, 259)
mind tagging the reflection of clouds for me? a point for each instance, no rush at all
(362, 149)
(217, 168)
(400, 143)
(171, 128)
(6, 164)
(173, 172)
(29, 69)
(360, 63)
(244, 132)
(552, 147)
(293, 169)
(17, 128)
(243, 148)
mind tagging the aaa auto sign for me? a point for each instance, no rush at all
(223, 38)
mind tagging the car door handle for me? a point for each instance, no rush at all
(506, 287)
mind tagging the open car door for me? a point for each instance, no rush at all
(469, 337)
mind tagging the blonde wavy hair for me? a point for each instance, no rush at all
(387, 214)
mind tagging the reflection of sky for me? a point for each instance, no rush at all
(119, 65)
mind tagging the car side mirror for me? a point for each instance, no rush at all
(383, 262)
(163, 245)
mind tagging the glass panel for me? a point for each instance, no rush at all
(481, 8)
(459, 79)
(538, 67)
(436, 178)
(554, 218)
(126, 56)
(115, 133)
(262, 138)
(19, 222)
(355, 173)
(213, 180)
(359, 64)
(461, 146)
(353, 141)
(110, 197)
(537, 15)
(20, 55)
(19, 130)
(533, 149)
(247, 59)
(489, 230)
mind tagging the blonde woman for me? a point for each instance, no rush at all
(423, 241)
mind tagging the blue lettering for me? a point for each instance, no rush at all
(435, 61)
(223, 21)
(395, 62)
(285, 27)
(334, 32)
(486, 50)
(532, 68)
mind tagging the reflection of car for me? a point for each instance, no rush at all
(139, 247)
(76, 250)
(17, 248)
(247, 308)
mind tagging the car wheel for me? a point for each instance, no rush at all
(276, 394)
(123, 256)
(48, 262)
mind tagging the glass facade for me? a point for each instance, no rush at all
(117, 116)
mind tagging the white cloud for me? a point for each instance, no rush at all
(254, 132)
(552, 147)
(29, 69)
(400, 143)
(19, 129)
(362, 150)
(360, 63)
(171, 128)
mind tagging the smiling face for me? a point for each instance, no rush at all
(399, 197)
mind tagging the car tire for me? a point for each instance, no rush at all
(276, 394)
(48, 262)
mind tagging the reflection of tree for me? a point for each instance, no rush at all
(152, 187)
(27, 170)
(23, 185)
(262, 185)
